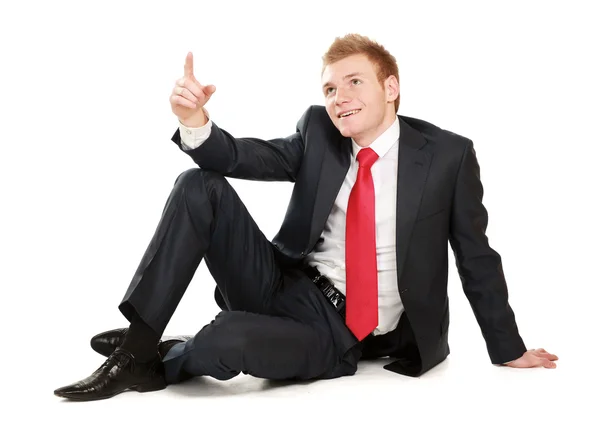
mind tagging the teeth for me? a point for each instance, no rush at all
(349, 113)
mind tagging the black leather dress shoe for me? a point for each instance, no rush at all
(120, 372)
(106, 342)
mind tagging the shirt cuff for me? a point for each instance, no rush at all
(193, 137)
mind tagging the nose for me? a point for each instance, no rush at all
(342, 96)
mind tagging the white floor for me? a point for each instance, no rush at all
(465, 397)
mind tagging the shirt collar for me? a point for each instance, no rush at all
(383, 143)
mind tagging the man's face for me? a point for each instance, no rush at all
(351, 85)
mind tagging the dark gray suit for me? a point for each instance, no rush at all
(439, 200)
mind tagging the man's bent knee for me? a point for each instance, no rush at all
(196, 174)
(206, 183)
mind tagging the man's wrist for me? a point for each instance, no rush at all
(197, 121)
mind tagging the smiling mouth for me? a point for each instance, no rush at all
(349, 113)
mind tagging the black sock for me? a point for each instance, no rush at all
(141, 340)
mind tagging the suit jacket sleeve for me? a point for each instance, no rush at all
(479, 266)
(251, 158)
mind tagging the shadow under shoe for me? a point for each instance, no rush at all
(120, 372)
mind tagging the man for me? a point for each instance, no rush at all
(359, 268)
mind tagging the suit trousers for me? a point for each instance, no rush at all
(276, 325)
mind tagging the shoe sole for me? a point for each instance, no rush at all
(155, 385)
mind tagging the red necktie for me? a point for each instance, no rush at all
(361, 254)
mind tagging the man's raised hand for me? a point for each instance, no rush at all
(189, 96)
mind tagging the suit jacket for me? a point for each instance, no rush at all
(439, 201)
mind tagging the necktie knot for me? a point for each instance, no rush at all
(366, 157)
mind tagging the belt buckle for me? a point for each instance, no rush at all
(335, 297)
(322, 281)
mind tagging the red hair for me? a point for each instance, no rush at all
(355, 44)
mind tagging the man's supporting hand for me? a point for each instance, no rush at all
(534, 358)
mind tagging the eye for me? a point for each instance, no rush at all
(329, 90)
(356, 81)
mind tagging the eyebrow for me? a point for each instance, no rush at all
(353, 74)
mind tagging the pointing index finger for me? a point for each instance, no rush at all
(188, 68)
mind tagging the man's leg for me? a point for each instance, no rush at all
(203, 218)
(263, 346)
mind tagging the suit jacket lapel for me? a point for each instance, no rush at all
(413, 168)
(334, 167)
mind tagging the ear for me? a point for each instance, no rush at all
(392, 88)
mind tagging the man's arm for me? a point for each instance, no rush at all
(479, 266)
(248, 158)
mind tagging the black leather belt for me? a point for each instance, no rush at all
(336, 298)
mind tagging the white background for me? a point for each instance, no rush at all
(87, 164)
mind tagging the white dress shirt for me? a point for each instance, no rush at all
(329, 255)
